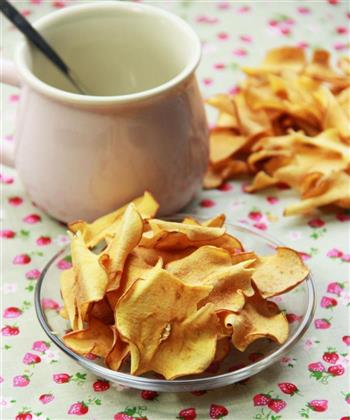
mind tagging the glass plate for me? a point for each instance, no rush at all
(236, 367)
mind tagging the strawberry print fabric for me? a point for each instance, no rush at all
(39, 382)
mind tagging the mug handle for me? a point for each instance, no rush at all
(9, 76)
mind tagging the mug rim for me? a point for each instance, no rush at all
(77, 98)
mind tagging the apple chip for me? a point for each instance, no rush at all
(230, 286)
(288, 124)
(90, 275)
(258, 319)
(118, 352)
(198, 267)
(189, 348)
(122, 244)
(97, 338)
(216, 221)
(68, 284)
(223, 346)
(102, 311)
(153, 304)
(278, 60)
(223, 143)
(152, 255)
(278, 273)
(338, 191)
(223, 103)
(94, 232)
(177, 236)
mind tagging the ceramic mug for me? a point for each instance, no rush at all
(142, 128)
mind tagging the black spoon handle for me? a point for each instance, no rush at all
(27, 29)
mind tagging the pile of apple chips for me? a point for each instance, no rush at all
(290, 123)
(170, 297)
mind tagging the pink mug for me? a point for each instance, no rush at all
(142, 128)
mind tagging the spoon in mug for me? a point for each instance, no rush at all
(33, 35)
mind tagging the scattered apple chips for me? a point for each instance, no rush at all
(170, 297)
(290, 124)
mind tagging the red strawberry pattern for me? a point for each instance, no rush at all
(7, 233)
(336, 370)
(187, 414)
(61, 378)
(41, 383)
(335, 288)
(149, 395)
(131, 413)
(41, 346)
(21, 259)
(330, 356)
(207, 203)
(12, 312)
(288, 388)
(15, 201)
(78, 409)
(261, 399)
(32, 219)
(10, 330)
(33, 274)
(46, 398)
(217, 411)
(21, 381)
(276, 405)
(101, 386)
(43, 241)
(31, 359)
(328, 302)
(24, 416)
(318, 405)
(346, 340)
(322, 324)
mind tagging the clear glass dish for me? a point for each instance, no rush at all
(236, 367)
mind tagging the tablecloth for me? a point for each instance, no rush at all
(40, 382)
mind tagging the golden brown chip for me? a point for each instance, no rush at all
(312, 185)
(223, 144)
(96, 231)
(338, 189)
(176, 236)
(278, 273)
(243, 256)
(251, 123)
(118, 352)
(230, 286)
(69, 290)
(278, 60)
(226, 121)
(152, 255)
(258, 319)
(152, 304)
(320, 67)
(102, 311)
(290, 124)
(122, 244)
(216, 221)
(188, 349)
(223, 103)
(198, 267)
(91, 277)
(97, 338)
(261, 180)
(223, 346)
(334, 116)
